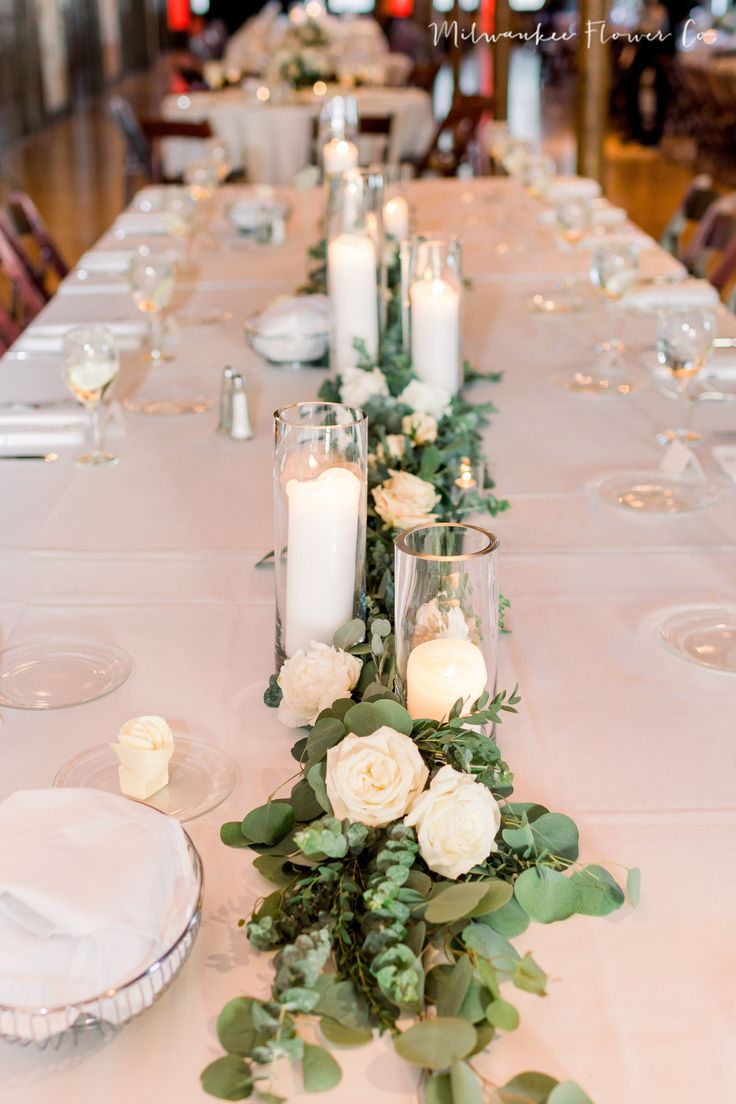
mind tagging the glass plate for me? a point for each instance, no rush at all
(705, 635)
(168, 406)
(654, 493)
(54, 676)
(200, 777)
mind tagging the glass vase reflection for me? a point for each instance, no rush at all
(446, 617)
(355, 270)
(320, 495)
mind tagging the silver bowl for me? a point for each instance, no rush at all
(109, 1011)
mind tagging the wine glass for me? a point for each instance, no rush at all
(573, 219)
(614, 268)
(218, 157)
(684, 343)
(90, 364)
(201, 179)
(537, 173)
(180, 215)
(152, 281)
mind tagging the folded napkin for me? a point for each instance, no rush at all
(572, 187)
(93, 889)
(654, 297)
(141, 222)
(22, 417)
(293, 328)
(49, 438)
(49, 338)
(631, 236)
(107, 261)
(599, 216)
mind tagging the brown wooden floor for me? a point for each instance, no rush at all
(73, 168)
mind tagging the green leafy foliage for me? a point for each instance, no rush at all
(436, 1044)
(269, 823)
(228, 1078)
(321, 1071)
(547, 895)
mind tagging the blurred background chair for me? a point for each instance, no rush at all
(693, 206)
(23, 296)
(455, 140)
(142, 142)
(32, 242)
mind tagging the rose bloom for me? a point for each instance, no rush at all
(435, 623)
(422, 428)
(311, 681)
(456, 822)
(374, 779)
(405, 500)
(358, 385)
(427, 398)
(394, 448)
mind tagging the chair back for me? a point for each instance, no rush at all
(9, 329)
(22, 220)
(138, 155)
(691, 208)
(26, 298)
(460, 125)
(424, 74)
(716, 233)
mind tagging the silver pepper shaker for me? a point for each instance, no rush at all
(225, 423)
(241, 428)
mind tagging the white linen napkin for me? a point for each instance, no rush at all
(48, 338)
(93, 889)
(21, 417)
(599, 216)
(106, 261)
(654, 297)
(50, 438)
(572, 187)
(141, 222)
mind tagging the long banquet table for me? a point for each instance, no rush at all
(157, 555)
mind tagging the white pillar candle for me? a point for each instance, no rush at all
(396, 217)
(323, 516)
(441, 671)
(352, 283)
(435, 332)
(339, 155)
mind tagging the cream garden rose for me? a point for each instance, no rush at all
(427, 398)
(359, 385)
(394, 448)
(405, 500)
(374, 779)
(456, 822)
(311, 681)
(422, 428)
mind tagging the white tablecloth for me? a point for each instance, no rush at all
(157, 555)
(273, 141)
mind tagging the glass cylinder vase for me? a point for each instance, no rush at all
(435, 310)
(320, 494)
(355, 264)
(446, 617)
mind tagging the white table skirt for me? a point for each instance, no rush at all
(271, 142)
(157, 555)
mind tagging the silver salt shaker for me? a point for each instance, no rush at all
(225, 423)
(241, 429)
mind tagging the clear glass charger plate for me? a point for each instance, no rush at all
(652, 492)
(705, 635)
(55, 676)
(168, 406)
(200, 777)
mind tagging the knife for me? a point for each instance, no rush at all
(49, 457)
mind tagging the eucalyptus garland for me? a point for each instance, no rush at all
(372, 927)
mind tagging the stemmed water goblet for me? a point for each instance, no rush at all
(218, 158)
(90, 364)
(152, 281)
(684, 343)
(180, 215)
(614, 268)
(573, 219)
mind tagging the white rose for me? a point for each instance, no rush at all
(427, 398)
(311, 681)
(456, 821)
(359, 385)
(405, 500)
(374, 779)
(422, 428)
(394, 448)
